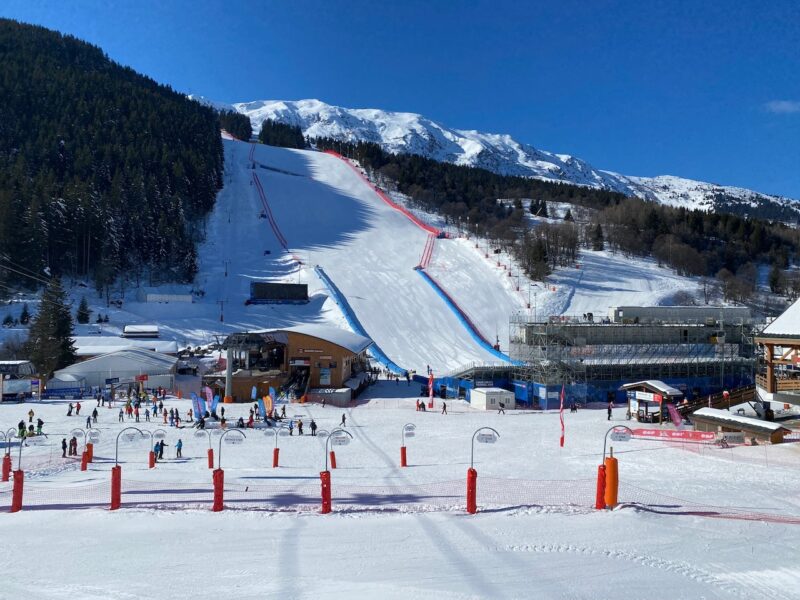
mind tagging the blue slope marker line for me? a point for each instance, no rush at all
(465, 320)
(355, 324)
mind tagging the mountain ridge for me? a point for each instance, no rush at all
(412, 133)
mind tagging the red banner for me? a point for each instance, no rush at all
(679, 435)
(141, 377)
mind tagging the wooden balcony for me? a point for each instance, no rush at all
(782, 385)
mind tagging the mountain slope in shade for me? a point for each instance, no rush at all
(414, 134)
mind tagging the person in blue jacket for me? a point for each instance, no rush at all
(178, 448)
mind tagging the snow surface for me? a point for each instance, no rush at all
(368, 548)
(412, 133)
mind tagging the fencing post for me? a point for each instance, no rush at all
(6, 467)
(89, 452)
(333, 459)
(275, 454)
(612, 480)
(84, 459)
(210, 458)
(116, 487)
(325, 479)
(403, 461)
(472, 491)
(151, 459)
(16, 494)
(600, 496)
(219, 484)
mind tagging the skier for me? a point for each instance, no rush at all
(39, 425)
(444, 408)
(69, 410)
(121, 415)
(161, 450)
(136, 413)
(610, 407)
(189, 412)
(165, 415)
(77, 408)
(147, 414)
(156, 448)
(171, 418)
(222, 412)
(408, 378)
(94, 415)
(291, 427)
(21, 429)
(178, 448)
(344, 421)
(283, 411)
(502, 409)
(73, 446)
(88, 421)
(30, 416)
(64, 448)
(313, 427)
(300, 426)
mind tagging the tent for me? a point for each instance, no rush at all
(124, 367)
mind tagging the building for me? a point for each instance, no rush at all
(17, 379)
(677, 314)
(646, 399)
(140, 331)
(293, 359)
(713, 419)
(90, 346)
(122, 368)
(593, 360)
(490, 398)
(778, 377)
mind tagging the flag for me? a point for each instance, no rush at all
(208, 394)
(262, 408)
(254, 393)
(215, 402)
(561, 415)
(430, 385)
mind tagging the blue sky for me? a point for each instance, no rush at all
(707, 90)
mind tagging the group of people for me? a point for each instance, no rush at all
(72, 447)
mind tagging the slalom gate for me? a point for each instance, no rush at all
(546, 496)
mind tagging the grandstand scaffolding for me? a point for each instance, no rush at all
(592, 359)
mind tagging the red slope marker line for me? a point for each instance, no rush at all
(414, 219)
(427, 252)
(270, 217)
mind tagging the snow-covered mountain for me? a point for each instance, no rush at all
(412, 133)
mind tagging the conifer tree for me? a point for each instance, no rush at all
(598, 243)
(82, 316)
(568, 215)
(25, 315)
(50, 338)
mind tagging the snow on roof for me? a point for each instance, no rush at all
(725, 417)
(341, 337)
(786, 325)
(130, 359)
(14, 362)
(140, 328)
(655, 385)
(88, 345)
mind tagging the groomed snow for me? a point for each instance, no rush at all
(369, 547)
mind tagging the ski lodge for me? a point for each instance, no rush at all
(779, 344)
(301, 360)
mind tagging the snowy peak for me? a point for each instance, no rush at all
(411, 133)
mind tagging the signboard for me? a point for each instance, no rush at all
(142, 377)
(324, 376)
(646, 396)
(340, 440)
(112, 380)
(94, 436)
(36, 440)
(300, 362)
(553, 395)
(410, 431)
(634, 406)
(200, 433)
(486, 438)
(63, 393)
(160, 435)
(678, 436)
(130, 436)
(234, 439)
(283, 433)
(410, 434)
(621, 435)
(483, 383)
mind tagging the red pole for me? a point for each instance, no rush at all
(16, 493)
(325, 480)
(219, 484)
(333, 459)
(403, 462)
(90, 452)
(6, 467)
(275, 454)
(116, 487)
(600, 496)
(210, 458)
(84, 460)
(151, 459)
(472, 491)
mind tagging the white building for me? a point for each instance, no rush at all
(126, 367)
(491, 398)
(87, 346)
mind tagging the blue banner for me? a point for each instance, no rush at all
(262, 408)
(214, 403)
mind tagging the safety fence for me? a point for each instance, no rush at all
(427, 252)
(493, 494)
(411, 216)
(352, 320)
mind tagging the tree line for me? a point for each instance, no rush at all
(102, 171)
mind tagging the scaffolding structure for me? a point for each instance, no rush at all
(594, 358)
